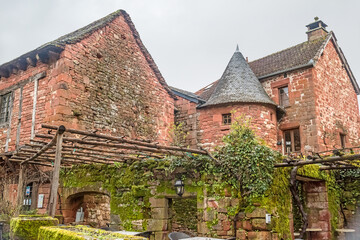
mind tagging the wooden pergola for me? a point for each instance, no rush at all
(66, 147)
(335, 159)
(61, 147)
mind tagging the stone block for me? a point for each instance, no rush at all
(257, 213)
(259, 224)
(274, 236)
(163, 235)
(262, 235)
(157, 225)
(241, 234)
(159, 202)
(324, 215)
(209, 215)
(234, 202)
(246, 225)
(224, 202)
(202, 228)
(160, 213)
(226, 225)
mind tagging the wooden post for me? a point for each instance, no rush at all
(20, 190)
(56, 172)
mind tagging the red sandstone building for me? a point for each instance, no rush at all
(102, 78)
(98, 77)
(301, 99)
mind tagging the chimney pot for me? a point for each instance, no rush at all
(316, 29)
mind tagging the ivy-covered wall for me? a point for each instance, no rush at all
(233, 192)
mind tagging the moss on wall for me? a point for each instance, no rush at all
(129, 186)
(27, 227)
(80, 233)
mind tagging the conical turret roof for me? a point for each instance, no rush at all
(238, 84)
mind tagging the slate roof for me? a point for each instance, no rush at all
(187, 95)
(302, 55)
(238, 84)
(299, 55)
(59, 44)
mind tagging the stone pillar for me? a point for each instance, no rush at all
(159, 218)
(318, 210)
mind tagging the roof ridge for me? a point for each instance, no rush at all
(315, 40)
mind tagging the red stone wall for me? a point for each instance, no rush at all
(103, 82)
(108, 85)
(336, 102)
(301, 111)
(13, 84)
(318, 210)
(212, 130)
(187, 115)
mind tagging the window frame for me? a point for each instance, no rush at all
(281, 97)
(343, 140)
(7, 108)
(226, 119)
(292, 140)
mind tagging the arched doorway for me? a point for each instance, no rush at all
(91, 208)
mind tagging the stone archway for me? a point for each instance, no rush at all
(94, 202)
(94, 205)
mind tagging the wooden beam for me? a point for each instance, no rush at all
(45, 148)
(17, 141)
(319, 160)
(338, 168)
(135, 142)
(56, 172)
(307, 179)
(117, 145)
(9, 164)
(20, 190)
(8, 133)
(33, 117)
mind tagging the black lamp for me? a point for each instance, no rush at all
(179, 187)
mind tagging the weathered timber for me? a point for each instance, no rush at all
(295, 194)
(123, 140)
(56, 171)
(319, 160)
(117, 145)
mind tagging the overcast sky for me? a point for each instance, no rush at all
(190, 40)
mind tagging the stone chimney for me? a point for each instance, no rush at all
(316, 29)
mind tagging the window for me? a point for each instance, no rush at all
(284, 96)
(226, 119)
(342, 140)
(27, 197)
(292, 140)
(5, 102)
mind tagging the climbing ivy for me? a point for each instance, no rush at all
(244, 163)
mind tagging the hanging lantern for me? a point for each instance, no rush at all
(179, 187)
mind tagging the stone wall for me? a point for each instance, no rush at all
(187, 114)
(317, 206)
(109, 85)
(21, 86)
(301, 111)
(253, 226)
(336, 102)
(211, 129)
(106, 82)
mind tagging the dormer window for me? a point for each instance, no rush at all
(226, 119)
(284, 96)
(5, 103)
